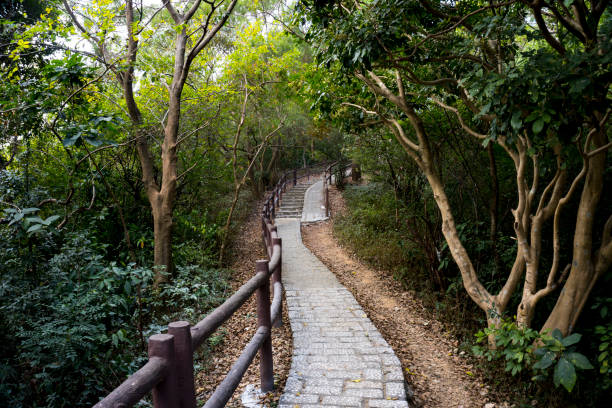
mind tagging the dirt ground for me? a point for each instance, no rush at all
(236, 333)
(439, 375)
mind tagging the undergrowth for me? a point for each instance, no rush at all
(382, 232)
(76, 311)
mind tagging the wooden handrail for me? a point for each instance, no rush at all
(137, 385)
(217, 317)
(169, 372)
(227, 387)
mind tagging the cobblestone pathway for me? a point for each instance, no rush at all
(339, 357)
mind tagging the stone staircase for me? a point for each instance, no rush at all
(293, 201)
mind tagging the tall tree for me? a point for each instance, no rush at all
(195, 26)
(541, 94)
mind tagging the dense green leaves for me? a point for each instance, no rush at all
(527, 349)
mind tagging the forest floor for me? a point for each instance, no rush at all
(232, 337)
(439, 375)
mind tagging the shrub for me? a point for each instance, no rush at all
(74, 330)
(525, 348)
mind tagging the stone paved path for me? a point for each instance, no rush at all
(314, 203)
(339, 357)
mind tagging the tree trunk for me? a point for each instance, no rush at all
(470, 281)
(162, 235)
(526, 309)
(583, 272)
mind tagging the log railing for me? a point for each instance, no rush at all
(169, 375)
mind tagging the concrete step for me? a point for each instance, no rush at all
(289, 213)
(293, 201)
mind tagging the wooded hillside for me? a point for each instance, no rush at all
(137, 134)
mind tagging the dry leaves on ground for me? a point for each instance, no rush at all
(438, 375)
(239, 329)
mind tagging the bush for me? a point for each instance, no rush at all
(525, 348)
(75, 329)
(66, 326)
(371, 229)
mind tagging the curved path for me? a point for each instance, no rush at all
(339, 357)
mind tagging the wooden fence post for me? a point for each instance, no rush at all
(183, 354)
(327, 212)
(266, 369)
(276, 277)
(165, 392)
(274, 228)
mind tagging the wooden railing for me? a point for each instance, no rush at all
(289, 178)
(169, 372)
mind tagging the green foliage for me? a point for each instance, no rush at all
(339, 177)
(604, 358)
(603, 334)
(73, 318)
(66, 320)
(559, 350)
(512, 344)
(525, 348)
(75, 325)
(369, 227)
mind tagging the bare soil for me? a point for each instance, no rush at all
(439, 375)
(233, 336)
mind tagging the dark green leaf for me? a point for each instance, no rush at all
(579, 360)
(565, 374)
(516, 121)
(579, 85)
(537, 126)
(546, 361)
(72, 140)
(50, 219)
(34, 228)
(571, 339)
